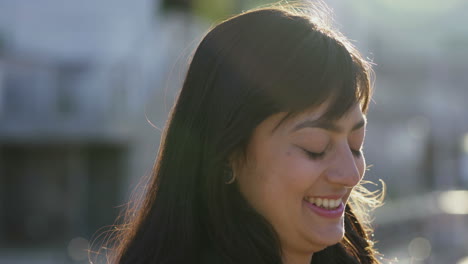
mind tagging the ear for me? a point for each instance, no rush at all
(237, 161)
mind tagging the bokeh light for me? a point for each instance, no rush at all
(463, 260)
(465, 143)
(78, 249)
(454, 202)
(419, 248)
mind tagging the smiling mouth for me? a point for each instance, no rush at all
(329, 204)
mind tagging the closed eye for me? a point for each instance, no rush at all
(320, 155)
(314, 155)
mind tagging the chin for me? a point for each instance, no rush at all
(326, 239)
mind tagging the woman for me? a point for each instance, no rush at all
(261, 153)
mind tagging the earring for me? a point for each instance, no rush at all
(229, 176)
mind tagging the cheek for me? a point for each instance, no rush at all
(279, 172)
(278, 183)
(292, 172)
(276, 170)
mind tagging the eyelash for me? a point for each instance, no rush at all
(315, 155)
(357, 153)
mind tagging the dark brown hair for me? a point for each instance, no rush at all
(245, 69)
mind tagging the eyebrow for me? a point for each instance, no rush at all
(327, 125)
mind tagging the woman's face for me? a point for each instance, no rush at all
(299, 175)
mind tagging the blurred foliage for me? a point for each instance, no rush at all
(212, 9)
(209, 9)
(184, 5)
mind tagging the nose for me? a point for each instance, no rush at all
(345, 168)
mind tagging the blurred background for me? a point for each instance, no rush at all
(86, 87)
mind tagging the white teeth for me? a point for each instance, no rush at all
(335, 203)
(318, 202)
(324, 203)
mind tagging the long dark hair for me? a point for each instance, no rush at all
(245, 69)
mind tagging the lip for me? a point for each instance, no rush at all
(331, 214)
